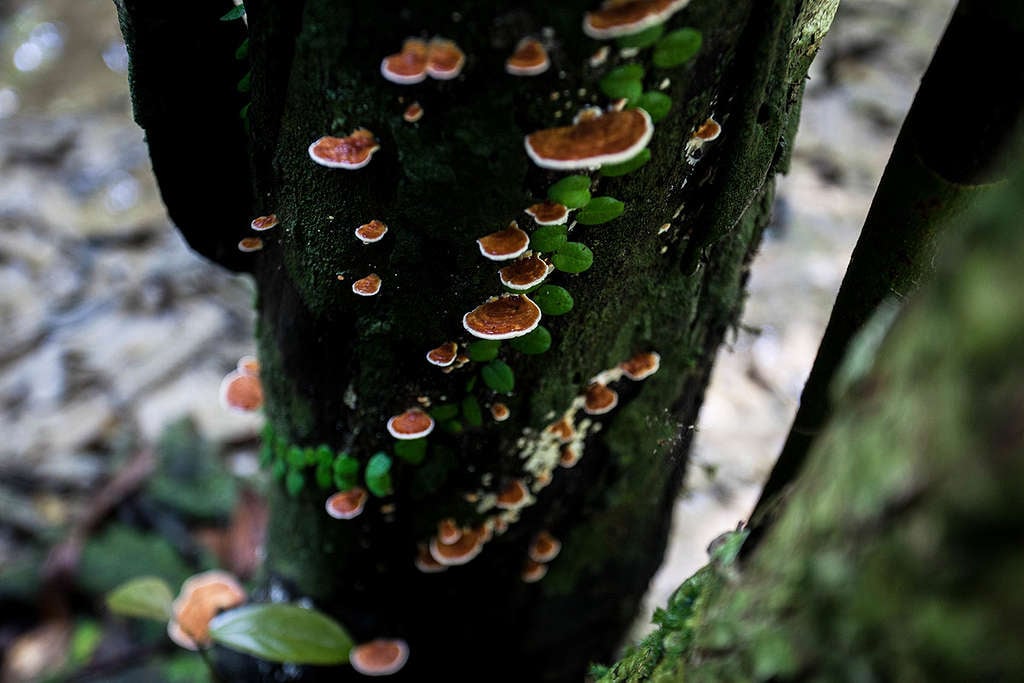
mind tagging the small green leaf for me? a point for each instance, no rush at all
(553, 300)
(380, 486)
(444, 412)
(279, 469)
(411, 450)
(573, 191)
(677, 47)
(628, 166)
(481, 351)
(548, 238)
(324, 455)
(471, 411)
(645, 38)
(452, 426)
(345, 464)
(295, 457)
(655, 103)
(243, 50)
(234, 13)
(378, 474)
(599, 210)
(282, 633)
(324, 476)
(245, 83)
(344, 482)
(498, 376)
(147, 597)
(574, 257)
(536, 342)
(293, 482)
(625, 81)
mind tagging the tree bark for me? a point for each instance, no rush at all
(336, 366)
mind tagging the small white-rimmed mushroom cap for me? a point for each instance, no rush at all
(371, 232)
(513, 495)
(351, 153)
(408, 66)
(568, 456)
(588, 113)
(529, 59)
(444, 59)
(380, 657)
(444, 355)
(616, 19)
(347, 504)
(548, 213)
(641, 366)
(367, 286)
(425, 562)
(505, 244)
(248, 365)
(503, 317)
(241, 392)
(525, 272)
(544, 547)
(609, 139)
(448, 532)
(469, 545)
(708, 131)
(599, 399)
(533, 571)
(412, 424)
(202, 596)
(563, 429)
(413, 113)
(250, 244)
(500, 412)
(261, 223)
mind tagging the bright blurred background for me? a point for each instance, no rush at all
(114, 337)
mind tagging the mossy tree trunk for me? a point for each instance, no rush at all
(667, 276)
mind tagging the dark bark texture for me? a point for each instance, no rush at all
(667, 276)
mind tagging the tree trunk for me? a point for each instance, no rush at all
(667, 277)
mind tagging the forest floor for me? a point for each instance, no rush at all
(113, 330)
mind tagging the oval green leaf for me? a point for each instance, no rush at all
(444, 412)
(411, 450)
(282, 633)
(531, 344)
(625, 81)
(574, 257)
(628, 166)
(553, 300)
(147, 597)
(573, 191)
(236, 12)
(547, 238)
(599, 210)
(471, 411)
(655, 103)
(482, 350)
(498, 376)
(294, 482)
(645, 38)
(677, 47)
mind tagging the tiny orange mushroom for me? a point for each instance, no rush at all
(641, 366)
(249, 365)
(367, 286)
(408, 66)
(609, 139)
(380, 657)
(347, 504)
(444, 355)
(469, 545)
(599, 399)
(371, 232)
(500, 412)
(241, 392)
(250, 244)
(533, 571)
(444, 59)
(503, 317)
(261, 223)
(413, 113)
(426, 563)
(448, 531)
(202, 596)
(529, 59)
(504, 244)
(544, 547)
(412, 424)
(350, 152)
(548, 213)
(525, 273)
(568, 457)
(513, 495)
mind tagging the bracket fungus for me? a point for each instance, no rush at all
(505, 244)
(548, 213)
(241, 392)
(500, 412)
(347, 504)
(529, 59)
(503, 317)
(469, 545)
(533, 571)
(568, 456)
(513, 495)
(380, 657)
(626, 17)
(444, 355)
(350, 152)
(599, 399)
(367, 286)
(448, 532)
(407, 67)
(544, 547)
(705, 132)
(202, 596)
(250, 244)
(413, 113)
(371, 232)
(609, 139)
(261, 223)
(641, 366)
(249, 365)
(412, 424)
(444, 59)
(525, 272)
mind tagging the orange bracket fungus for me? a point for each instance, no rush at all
(426, 563)
(250, 244)
(241, 392)
(568, 456)
(349, 153)
(469, 545)
(529, 59)
(544, 547)
(381, 657)
(413, 113)
(505, 244)
(503, 317)
(599, 399)
(708, 131)
(371, 232)
(444, 355)
(525, 273)
(500, 412)
(412, 424)
(408, 66)
(610, 139)
(347, 504)
(513, 495)
(617, 18)
(448, 532)
(367, 286)
(533, 571)
(444, 59)
(548, 213)
(261, 223)
(202, 596)
(641, 366)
